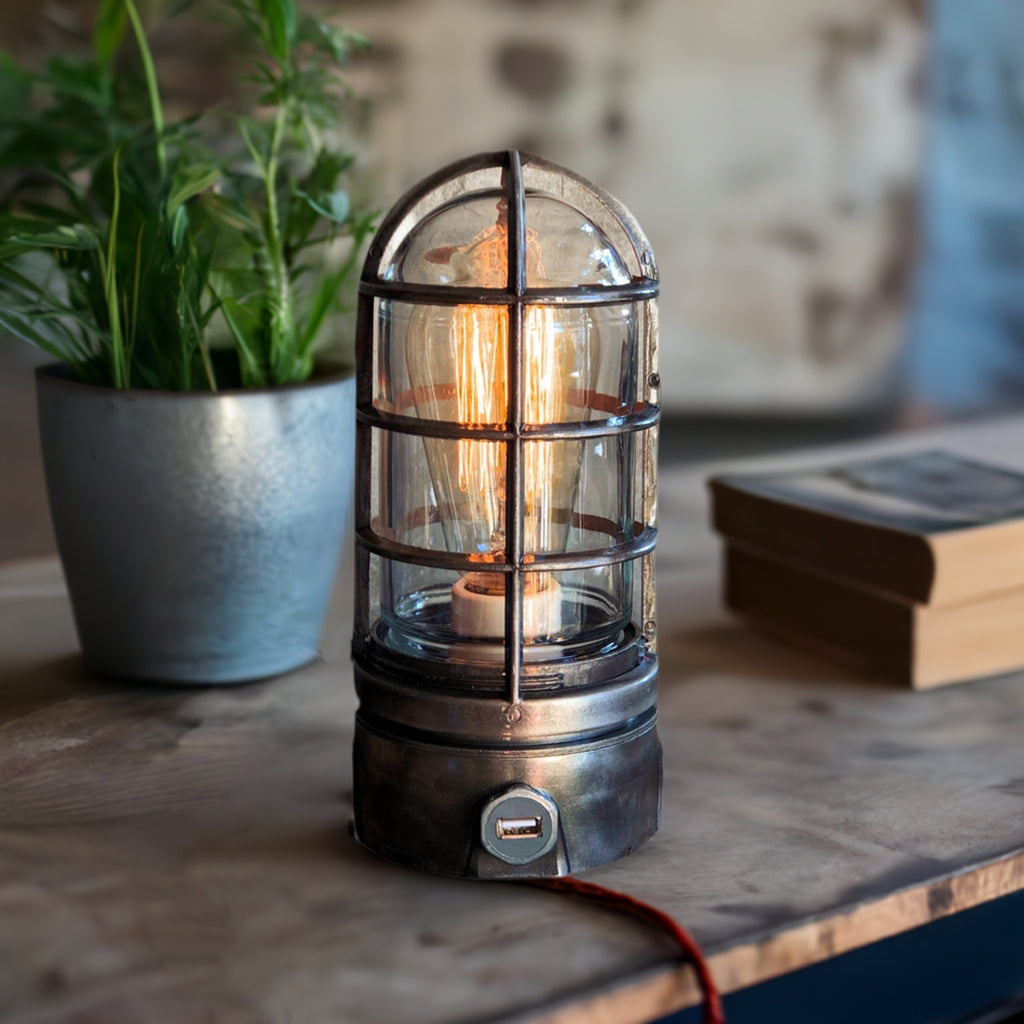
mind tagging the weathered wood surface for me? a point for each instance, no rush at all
(182, 856)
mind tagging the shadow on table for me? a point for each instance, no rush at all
(744, 651)
(46, 683)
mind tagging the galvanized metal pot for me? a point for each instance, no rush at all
(199, 532)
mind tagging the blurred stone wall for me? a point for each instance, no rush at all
(770, 150)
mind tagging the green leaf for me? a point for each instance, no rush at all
(179, 225)
(53, 337)
(280, 20)
(239, 319)
(152, 87)
(255, 138)
(189, 183)
(25, 236)
(328, 291)
(111, 21)
(120, 370)
(334, 207)
(232, 221)
(337, 42)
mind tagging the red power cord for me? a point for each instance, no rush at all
(713, 1012)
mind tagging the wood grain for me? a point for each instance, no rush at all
(183, 855)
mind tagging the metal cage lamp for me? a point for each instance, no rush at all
(504, 644)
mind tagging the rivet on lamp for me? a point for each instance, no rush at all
(504, 644)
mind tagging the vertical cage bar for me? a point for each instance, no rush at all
(652, 389)
(366, 345)
(366, 336)
(364, 491)
(515, 195)
(515, 201)
(648, 591)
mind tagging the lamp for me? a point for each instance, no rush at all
(504, 644)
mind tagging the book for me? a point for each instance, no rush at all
(929, 527)
(918, 645)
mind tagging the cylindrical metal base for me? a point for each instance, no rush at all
(507, 810)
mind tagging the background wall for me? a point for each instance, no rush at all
(966, 349)
(769, 150)
(775, 153)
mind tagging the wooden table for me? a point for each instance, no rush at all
(172, 855)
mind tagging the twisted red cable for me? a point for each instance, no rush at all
(713, 1011)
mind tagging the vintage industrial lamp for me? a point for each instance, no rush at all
(504, 640)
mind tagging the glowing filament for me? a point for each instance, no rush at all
(458, 362)
(480, 339)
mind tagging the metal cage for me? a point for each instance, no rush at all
(449, 748)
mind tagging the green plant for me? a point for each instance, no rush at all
(127, 241)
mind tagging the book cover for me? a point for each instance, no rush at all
(928, 526)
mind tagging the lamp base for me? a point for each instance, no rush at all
(505, 812)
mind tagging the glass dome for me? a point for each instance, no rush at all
(507, 401)
(465, 243)
(586, 237)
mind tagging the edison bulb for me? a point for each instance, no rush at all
(457, 360)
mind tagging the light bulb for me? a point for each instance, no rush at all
(457, 359)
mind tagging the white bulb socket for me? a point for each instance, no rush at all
(481, 616)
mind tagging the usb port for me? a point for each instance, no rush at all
(519, 828)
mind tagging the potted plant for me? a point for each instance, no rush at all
(197, 459)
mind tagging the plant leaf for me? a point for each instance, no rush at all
(336, 41)
(334, 207)
(111, 21)
(279, 18)
(53, 337)
(24, 236)
(179, 225)
(189, 183)
(234, 315)
(253, 135)
(327, 293)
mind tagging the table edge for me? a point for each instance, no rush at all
(662, 989)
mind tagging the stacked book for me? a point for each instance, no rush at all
(910, 566)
